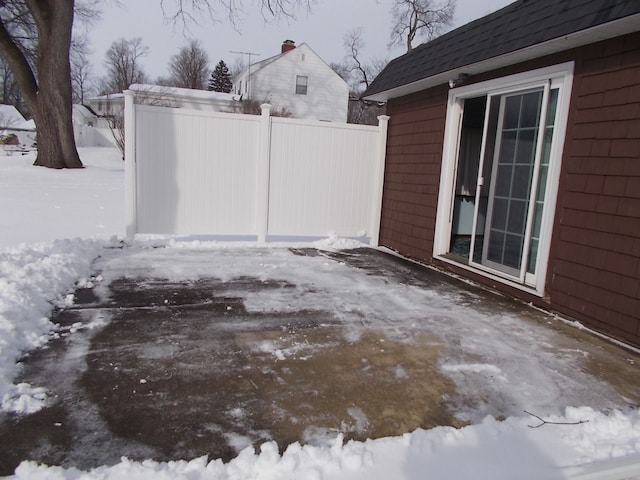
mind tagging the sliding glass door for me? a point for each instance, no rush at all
(503, 158)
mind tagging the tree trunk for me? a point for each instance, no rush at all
(49, 96)
(53, 108)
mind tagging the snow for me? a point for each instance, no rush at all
(10, 117)
(181, 92)
(41, 262)
(33, 279)
(42, 205)
(491, 450)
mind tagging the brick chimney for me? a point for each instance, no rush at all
(288, 45)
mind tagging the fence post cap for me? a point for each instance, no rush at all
(266, 108)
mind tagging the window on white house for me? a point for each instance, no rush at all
(301, 84)
(505, 140)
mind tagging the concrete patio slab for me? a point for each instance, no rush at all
(175, 353)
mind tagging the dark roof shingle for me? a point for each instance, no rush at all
(517, 26)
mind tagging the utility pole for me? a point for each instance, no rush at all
(249, 69)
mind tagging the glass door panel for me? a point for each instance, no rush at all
(542, 180)
(511, 186)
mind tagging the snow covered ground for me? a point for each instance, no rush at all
(41, 261)
(42, 205)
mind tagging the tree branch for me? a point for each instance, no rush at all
(546, 422)
(20, 66)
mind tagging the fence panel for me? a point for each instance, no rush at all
(196, 172)
(322, 178)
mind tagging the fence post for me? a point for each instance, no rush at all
(130, 181)
(383, 125)
(264, 170)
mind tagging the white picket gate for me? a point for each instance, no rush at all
(193, 172)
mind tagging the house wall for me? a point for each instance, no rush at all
(327, 94)
(595, 274)
(412, 172)
(107, 104)
(594, 262)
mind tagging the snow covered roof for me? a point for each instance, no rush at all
(108, 96)
(83, 110)
(26, 125)
(10, 117)
(181, 92)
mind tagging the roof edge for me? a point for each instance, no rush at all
(594, 34)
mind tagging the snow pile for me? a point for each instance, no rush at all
(334, 242)
(491, 450)
(602, 436)
(34, 279)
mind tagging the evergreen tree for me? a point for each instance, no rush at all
(220, 80)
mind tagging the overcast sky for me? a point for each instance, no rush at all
(322, 29)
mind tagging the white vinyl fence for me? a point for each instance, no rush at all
(250, 177)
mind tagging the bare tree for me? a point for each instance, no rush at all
(359, 73)
(189, 68)
(82, 80)
(254, 107)
(342, 69)
(8, 86)
(123, 64)
(424, 17)
(238, 66)
(165, 82)
(187, 12)
(9, 92)
(35, 39)
(149, 95)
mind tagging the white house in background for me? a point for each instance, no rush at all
(93, 122)
(83, 115)
(89, 129)
(106, 106)
(12, 122)
(297, 80)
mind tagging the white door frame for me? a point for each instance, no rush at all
(562, 76)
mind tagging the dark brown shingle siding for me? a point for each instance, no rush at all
(594, 272)
(412, 173)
